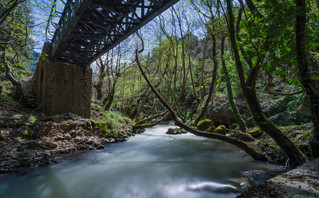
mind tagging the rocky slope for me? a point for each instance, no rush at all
(29, 138)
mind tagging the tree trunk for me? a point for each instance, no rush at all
(295, 156)
(309, 84)
(233, 105)
(212, 85)
(9, 75)
(242, 145)
(99, 85)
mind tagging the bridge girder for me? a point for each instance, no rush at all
(89, 28)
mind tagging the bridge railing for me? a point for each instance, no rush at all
(68, 14)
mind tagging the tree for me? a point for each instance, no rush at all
(248, 88)
(248, 149)
(15, 40)
(309, 83)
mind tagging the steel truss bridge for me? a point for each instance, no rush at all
(89, 28)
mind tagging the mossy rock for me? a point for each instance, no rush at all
(234, 126)
(204, 124)
(175, 131)
(242, 136)
(100, 125)
(211, 129)
(221, 130)
(255, 132)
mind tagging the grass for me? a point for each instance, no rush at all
(113, 118)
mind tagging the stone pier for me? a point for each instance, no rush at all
(61, 87)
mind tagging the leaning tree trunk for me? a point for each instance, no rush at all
(242, 145)
(294, 154)
(309, 84)
(9, 75)
(231, 100)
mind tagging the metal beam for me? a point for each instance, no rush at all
(86, 22)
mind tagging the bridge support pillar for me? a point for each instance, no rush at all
(61, 87)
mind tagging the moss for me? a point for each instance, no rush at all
(26, 133)
(255, 132)
(234, 126)
(221, 130)
(99, 125)
(1, 88)
(204, 124)
(272, 150)
(242, 136)
(211, 129)
(67, 122)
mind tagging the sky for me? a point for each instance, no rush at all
(41, 11)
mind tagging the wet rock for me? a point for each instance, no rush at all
(204, 124)
(175, 131)
(101, 146)
(300, 182)
(240, 183)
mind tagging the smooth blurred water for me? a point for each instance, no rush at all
(148, 165)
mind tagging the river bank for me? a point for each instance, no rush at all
(302, 181)
(30, 139)
(151, 164)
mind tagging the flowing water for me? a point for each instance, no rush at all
(148, 165)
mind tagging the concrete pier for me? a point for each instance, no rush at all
(61, 87)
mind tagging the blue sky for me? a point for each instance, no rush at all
(40, 13)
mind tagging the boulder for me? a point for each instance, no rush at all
(175, 131)
(204, 124)
(221, 130)
(100, 146)
(211, 129)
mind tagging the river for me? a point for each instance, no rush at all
(148, 165)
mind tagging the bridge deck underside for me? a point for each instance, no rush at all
(89, 28)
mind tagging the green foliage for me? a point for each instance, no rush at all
(31, 120)
(110, 119)
(26, 133)
(8, 98)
